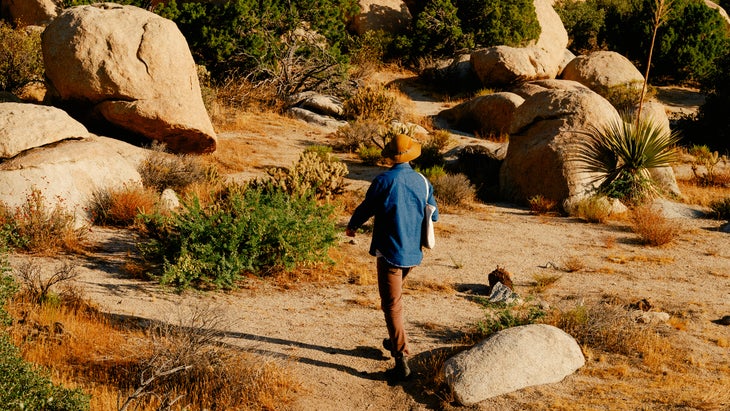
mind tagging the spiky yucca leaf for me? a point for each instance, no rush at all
(625, 149)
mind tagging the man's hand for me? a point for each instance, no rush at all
(350, 232)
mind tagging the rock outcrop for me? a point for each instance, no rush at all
(545, 130)
(505, 65)
(27, 126)
(603, 70)
(484, 115)
(68, 173)
(391, 16)
(510, 360)
(30, 12)
(132, 68)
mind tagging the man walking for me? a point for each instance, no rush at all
(396, 198)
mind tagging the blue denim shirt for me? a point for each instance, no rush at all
(396, 198)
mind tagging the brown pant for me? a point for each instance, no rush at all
(390, 287)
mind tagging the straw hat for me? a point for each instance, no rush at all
(402, 149)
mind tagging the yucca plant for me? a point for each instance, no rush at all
(621, 153)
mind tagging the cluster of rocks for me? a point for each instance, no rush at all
(115, 75)
(553, 97)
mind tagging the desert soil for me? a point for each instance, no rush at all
(330, 333)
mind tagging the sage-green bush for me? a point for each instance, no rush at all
(21, 60)
(259, 230)
(319, 173)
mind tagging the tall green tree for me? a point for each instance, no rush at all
(499, 22)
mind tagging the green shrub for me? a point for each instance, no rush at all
(583, 21)
(21, 60)
(249, 36)
(431, 150)
(257, 230)
(437, 30)
(432, 173)
(25, 387)
(499, 22)
(721, 208)
(625, 98)
(712, 126)
(370, 154)
(506, 317)
(320, 174)
(688, 43)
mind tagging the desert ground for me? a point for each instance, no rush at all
(328, 331)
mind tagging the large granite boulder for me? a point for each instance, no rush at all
(603, 70)
(27, 126)
(530, 88)
(30, 12)
(510, 360)
(504, 65)
(68, 173)
(391, 16)
(543, 137)
(483, 115)
(131, 67)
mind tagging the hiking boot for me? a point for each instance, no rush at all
(401, 371)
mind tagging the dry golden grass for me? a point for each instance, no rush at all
(541, 282)
(429, 286)
(41, 229)
(572, 264)
(120, 207)
(85, 349)
(652, 227)
(701, 195)
(234, 155)
(349, 266)
(541, 205)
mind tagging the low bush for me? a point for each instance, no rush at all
(500, 317)
(541, 205)
(259, 230)
(358, 133)
(372, 103)
(432, 173)
(161, 170)
(35, 227)
(21, 60)
(609, 328)
(454, 190)
(319, 173)
(120, 207)
(721, 208)
(370, 155)
(432, 150)
(594, 209)
(652, 227)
